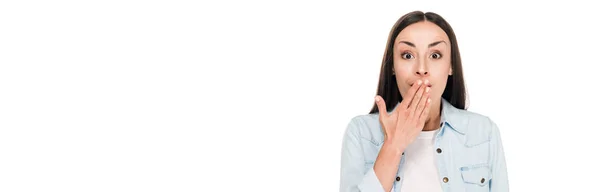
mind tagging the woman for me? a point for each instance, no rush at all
(427, 141)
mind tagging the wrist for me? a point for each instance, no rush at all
(395, 145)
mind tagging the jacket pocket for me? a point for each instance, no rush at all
(476, 177)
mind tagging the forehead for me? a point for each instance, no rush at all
(423, 32)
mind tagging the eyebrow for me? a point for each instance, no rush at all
(430, 45)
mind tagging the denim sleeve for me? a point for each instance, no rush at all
(499, 181)
(355, 176)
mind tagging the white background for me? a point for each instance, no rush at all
(255, 95)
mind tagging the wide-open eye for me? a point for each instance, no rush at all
(436, 56)
(407, 56)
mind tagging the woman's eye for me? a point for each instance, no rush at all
(407, 56)
(436, 56)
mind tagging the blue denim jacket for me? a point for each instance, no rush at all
(470, 155)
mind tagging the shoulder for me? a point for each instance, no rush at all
(366, 127)
(475, 125)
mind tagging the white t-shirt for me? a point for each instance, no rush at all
(420, 169)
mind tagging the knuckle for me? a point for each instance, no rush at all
(405, 113)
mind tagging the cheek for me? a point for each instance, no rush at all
(401, 81)
(440, 77)
(441, 81)
(441, 85)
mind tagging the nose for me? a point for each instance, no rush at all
(422, 69)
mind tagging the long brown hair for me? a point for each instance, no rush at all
(388, 87)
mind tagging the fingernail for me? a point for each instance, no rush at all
(427, 90)
(419, 82)
(428, 100)
(426, 81)
(377, 99)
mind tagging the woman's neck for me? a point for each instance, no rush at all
(433, 121)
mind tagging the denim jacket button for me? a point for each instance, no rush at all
(439, 150)
(445, 179)
(397, 178)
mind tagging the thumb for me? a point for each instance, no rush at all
(381, 105)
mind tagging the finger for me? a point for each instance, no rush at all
(423, 116)
(421, 105)
(415, 101)
(411, 93)
(380, 105)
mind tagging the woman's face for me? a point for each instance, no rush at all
(422, 52)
